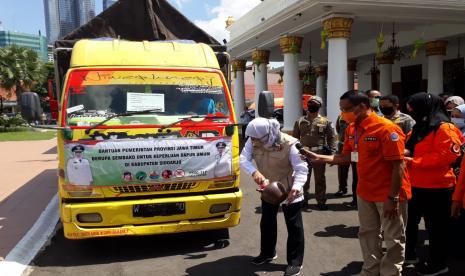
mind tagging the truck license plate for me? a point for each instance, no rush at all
(158, 209)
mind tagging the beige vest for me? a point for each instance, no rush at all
(274, 163)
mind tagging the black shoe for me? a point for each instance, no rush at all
(432, 270)
(341, 193)
(353, 203)
(259, 260)
(322, 206)
(292, 270)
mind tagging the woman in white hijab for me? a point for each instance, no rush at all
(277, 159)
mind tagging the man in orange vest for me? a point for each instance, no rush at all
(377, 145)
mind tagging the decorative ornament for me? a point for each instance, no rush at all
(234, 69)
(417, 45)
(379, 45)
(324, 36)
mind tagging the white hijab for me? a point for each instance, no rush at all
(261, 127)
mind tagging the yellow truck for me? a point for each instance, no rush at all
(148, 141)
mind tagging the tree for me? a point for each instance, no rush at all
(42, 88)
(20, 67)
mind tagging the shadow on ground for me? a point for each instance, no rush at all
(340, 230)
(64, 252)
(20, 210)
(51, 150)
(234, 265)
(352, 268)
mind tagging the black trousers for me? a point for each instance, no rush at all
(295, 231)
(343, 174)
(434, 206)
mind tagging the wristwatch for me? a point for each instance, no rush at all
(394, 199)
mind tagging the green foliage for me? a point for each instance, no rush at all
(11, 122)
(25, 134)
(20, 67)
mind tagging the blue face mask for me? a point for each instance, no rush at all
(458, 122)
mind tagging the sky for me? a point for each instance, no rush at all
(27, 16)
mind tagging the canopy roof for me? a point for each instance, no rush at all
(134, 20)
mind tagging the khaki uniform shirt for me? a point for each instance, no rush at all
(315, 134)
(404, 121)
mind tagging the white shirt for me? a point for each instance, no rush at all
(78, 171)
(298, 165)
(223, 164)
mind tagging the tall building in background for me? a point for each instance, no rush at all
(63, 16)
(52, 21)
(37, 43)
(108, 3)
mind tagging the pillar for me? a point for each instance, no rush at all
(338, 31)
(320, 73)
(351, 68)
(238, 67)
(260, 60)
(290, 46)
(435, 51)
(385, 74)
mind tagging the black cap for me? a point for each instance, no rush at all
(77, 148)
(221, 145)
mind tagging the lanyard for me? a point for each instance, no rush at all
(356, 138)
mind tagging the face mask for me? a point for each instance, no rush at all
(349, 117)
(387, 111)
(257, 143)
(458, 122)
(374, 102)
(313, 108)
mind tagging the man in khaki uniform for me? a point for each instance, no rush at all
(317, 134)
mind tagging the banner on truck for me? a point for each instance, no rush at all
(122, 162)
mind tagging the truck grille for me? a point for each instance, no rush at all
(154, 187)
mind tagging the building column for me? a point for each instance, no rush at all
(290, 46)
(260, 60)
(435, 51)
(238, 67)
(337, 29)
(320, 73)
(351, 68)
(385, 74)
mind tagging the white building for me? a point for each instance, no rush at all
(350, 29)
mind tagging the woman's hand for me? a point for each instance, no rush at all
(293, 194)
(258, 177)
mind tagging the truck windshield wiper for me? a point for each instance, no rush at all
(193, 117)
(125, 114)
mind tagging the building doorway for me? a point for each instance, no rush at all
(454, 77)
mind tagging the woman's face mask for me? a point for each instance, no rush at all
(458, 122)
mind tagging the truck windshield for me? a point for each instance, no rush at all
(96, 95)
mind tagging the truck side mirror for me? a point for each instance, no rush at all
(229, 130)
(30, 106)
(265, 104)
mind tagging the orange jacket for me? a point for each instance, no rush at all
(433, 157)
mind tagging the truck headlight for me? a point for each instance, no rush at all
(219, 208)
(89, 217)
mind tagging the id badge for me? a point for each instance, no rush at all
(354, 156)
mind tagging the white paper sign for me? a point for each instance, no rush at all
(145, 101)
(74, 108)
